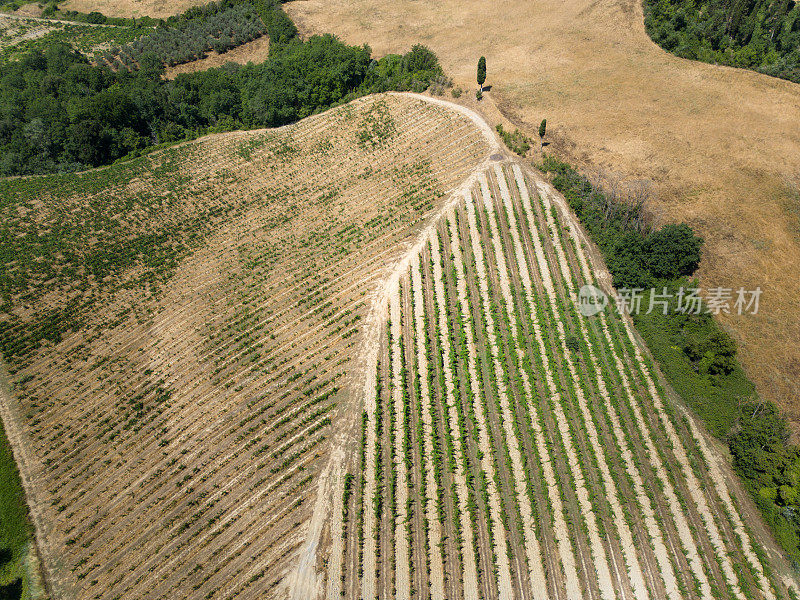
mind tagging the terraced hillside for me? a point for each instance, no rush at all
(513, 448)
(181, 330)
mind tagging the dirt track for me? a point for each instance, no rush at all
(717, 143)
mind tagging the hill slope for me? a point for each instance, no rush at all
(512, 447)
(719, 144)
(181, 330)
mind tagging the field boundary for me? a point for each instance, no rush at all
(19, 446)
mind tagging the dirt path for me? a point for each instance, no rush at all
(305, 583)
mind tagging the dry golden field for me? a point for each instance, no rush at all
(719, 145)
(158, 9)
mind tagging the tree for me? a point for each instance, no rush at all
(481, 71)
(672, 251)
(542, 128)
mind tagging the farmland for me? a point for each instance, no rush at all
(340, 358)
(20, 35)
(512, 448)
(182, 329)
(717, 146)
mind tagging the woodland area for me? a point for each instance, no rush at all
(60, 113)
(763, 35)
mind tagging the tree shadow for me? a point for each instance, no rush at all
(12, 591)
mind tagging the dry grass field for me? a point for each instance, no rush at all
(255, 51)
(158, 9)
(718, 144)
(177, 357)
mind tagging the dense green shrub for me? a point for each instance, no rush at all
(516, 142)
(573, 342)
(672, 251)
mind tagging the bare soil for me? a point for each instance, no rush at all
(158, 9)
(34, 9)
(255, 51)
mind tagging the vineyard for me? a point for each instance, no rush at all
(343, 359)
(181, 330)
(512, 448)
(20, 35)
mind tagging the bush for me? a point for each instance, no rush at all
(672, 251)
(96, 18)
(573, 343)
(713, 354)
(516, 142)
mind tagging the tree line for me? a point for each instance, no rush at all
(60, 113)
(763, 35)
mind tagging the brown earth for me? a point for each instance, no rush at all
(255, 51)
(158, 9)
(718, 144)
(34, 9)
